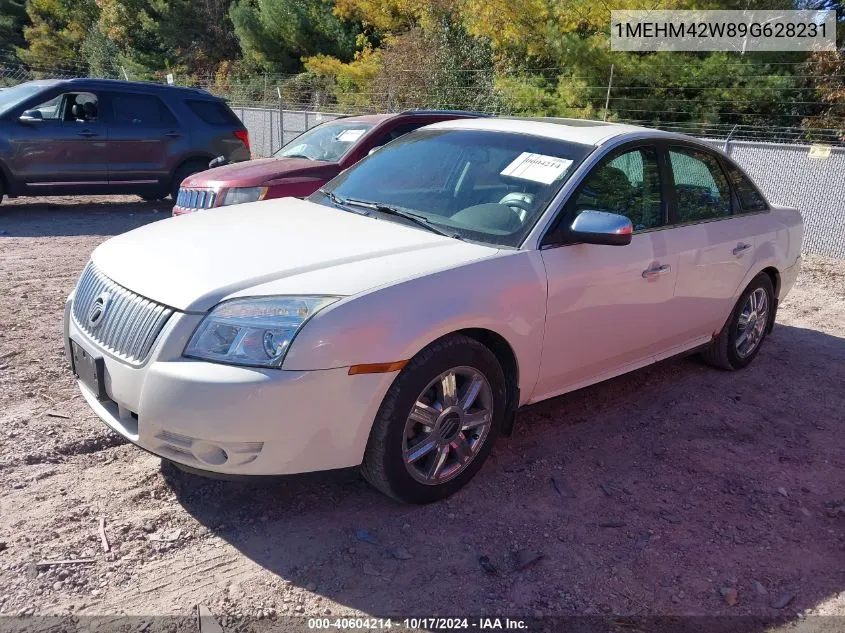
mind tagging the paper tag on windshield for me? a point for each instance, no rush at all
(537, 167)
(350, 136)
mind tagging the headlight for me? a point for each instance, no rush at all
(253, 332)
(240, 195)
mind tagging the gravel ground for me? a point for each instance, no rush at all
(675, 490)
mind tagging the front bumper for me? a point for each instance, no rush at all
(234, 420)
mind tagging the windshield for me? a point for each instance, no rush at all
(11, 97)
(483, 186)
(329, 141)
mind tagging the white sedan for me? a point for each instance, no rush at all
(399, 317)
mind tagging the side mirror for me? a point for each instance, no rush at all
(31, 116)
(600, 227)
(217, 162)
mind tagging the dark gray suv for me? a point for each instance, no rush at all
(100, 136)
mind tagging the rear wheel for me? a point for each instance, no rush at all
(742, 336)
(437, 423)
(188, 169)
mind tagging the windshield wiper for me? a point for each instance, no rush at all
(419, 220)
(339, 202)
(295, 156)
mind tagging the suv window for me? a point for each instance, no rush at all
(70, 107)
(701, 188)
(627, 184)
(140, 110)
(213, 112)
(749, 197)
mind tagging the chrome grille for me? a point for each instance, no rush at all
(196, 198)
(130, 323)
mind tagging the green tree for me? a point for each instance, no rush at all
(56, 32)
(158, 35)
(101, 54)
(276, 35)
(13, 19)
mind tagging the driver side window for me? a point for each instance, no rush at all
(70, 107)
(627, 184)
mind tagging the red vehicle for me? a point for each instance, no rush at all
(306, 163)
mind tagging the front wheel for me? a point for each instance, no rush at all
(742, 336)
(437, 423)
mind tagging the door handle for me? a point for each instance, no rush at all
(173, 134)
(652, 273)
(87, 133)
(741, 248)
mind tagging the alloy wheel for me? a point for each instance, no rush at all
(751, 325)
(447, 425)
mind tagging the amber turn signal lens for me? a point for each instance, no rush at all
(377, 368)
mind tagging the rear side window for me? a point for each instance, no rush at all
(749, 197)
(140, 110)
(214, 112)
(701, 188)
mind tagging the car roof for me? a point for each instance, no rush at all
(83, 83)
(581, 131)
(375, 119)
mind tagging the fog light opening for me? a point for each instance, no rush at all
(209, 453)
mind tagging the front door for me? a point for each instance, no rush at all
(608, 306)
(66, 149)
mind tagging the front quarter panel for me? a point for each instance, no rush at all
(505, 294)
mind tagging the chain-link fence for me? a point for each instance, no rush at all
(789, 170)
(271, 128)
(766, 107)
(811, 181)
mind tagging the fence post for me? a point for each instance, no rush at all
(272, 136)
(607, 99)
(281, 119)
(728, 140)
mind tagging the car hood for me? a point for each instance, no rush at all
(275, 247)
(252, 173)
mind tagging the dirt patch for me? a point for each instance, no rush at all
(677, 489)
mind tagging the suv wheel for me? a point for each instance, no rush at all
(437, 423)
(188, 169)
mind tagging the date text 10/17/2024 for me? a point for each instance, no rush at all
(436, 624)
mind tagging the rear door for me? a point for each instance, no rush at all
(67, 149)
(714, 241)
(144, 138)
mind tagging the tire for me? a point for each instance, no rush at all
(384, 465)
(724, 351)
(183, 171)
